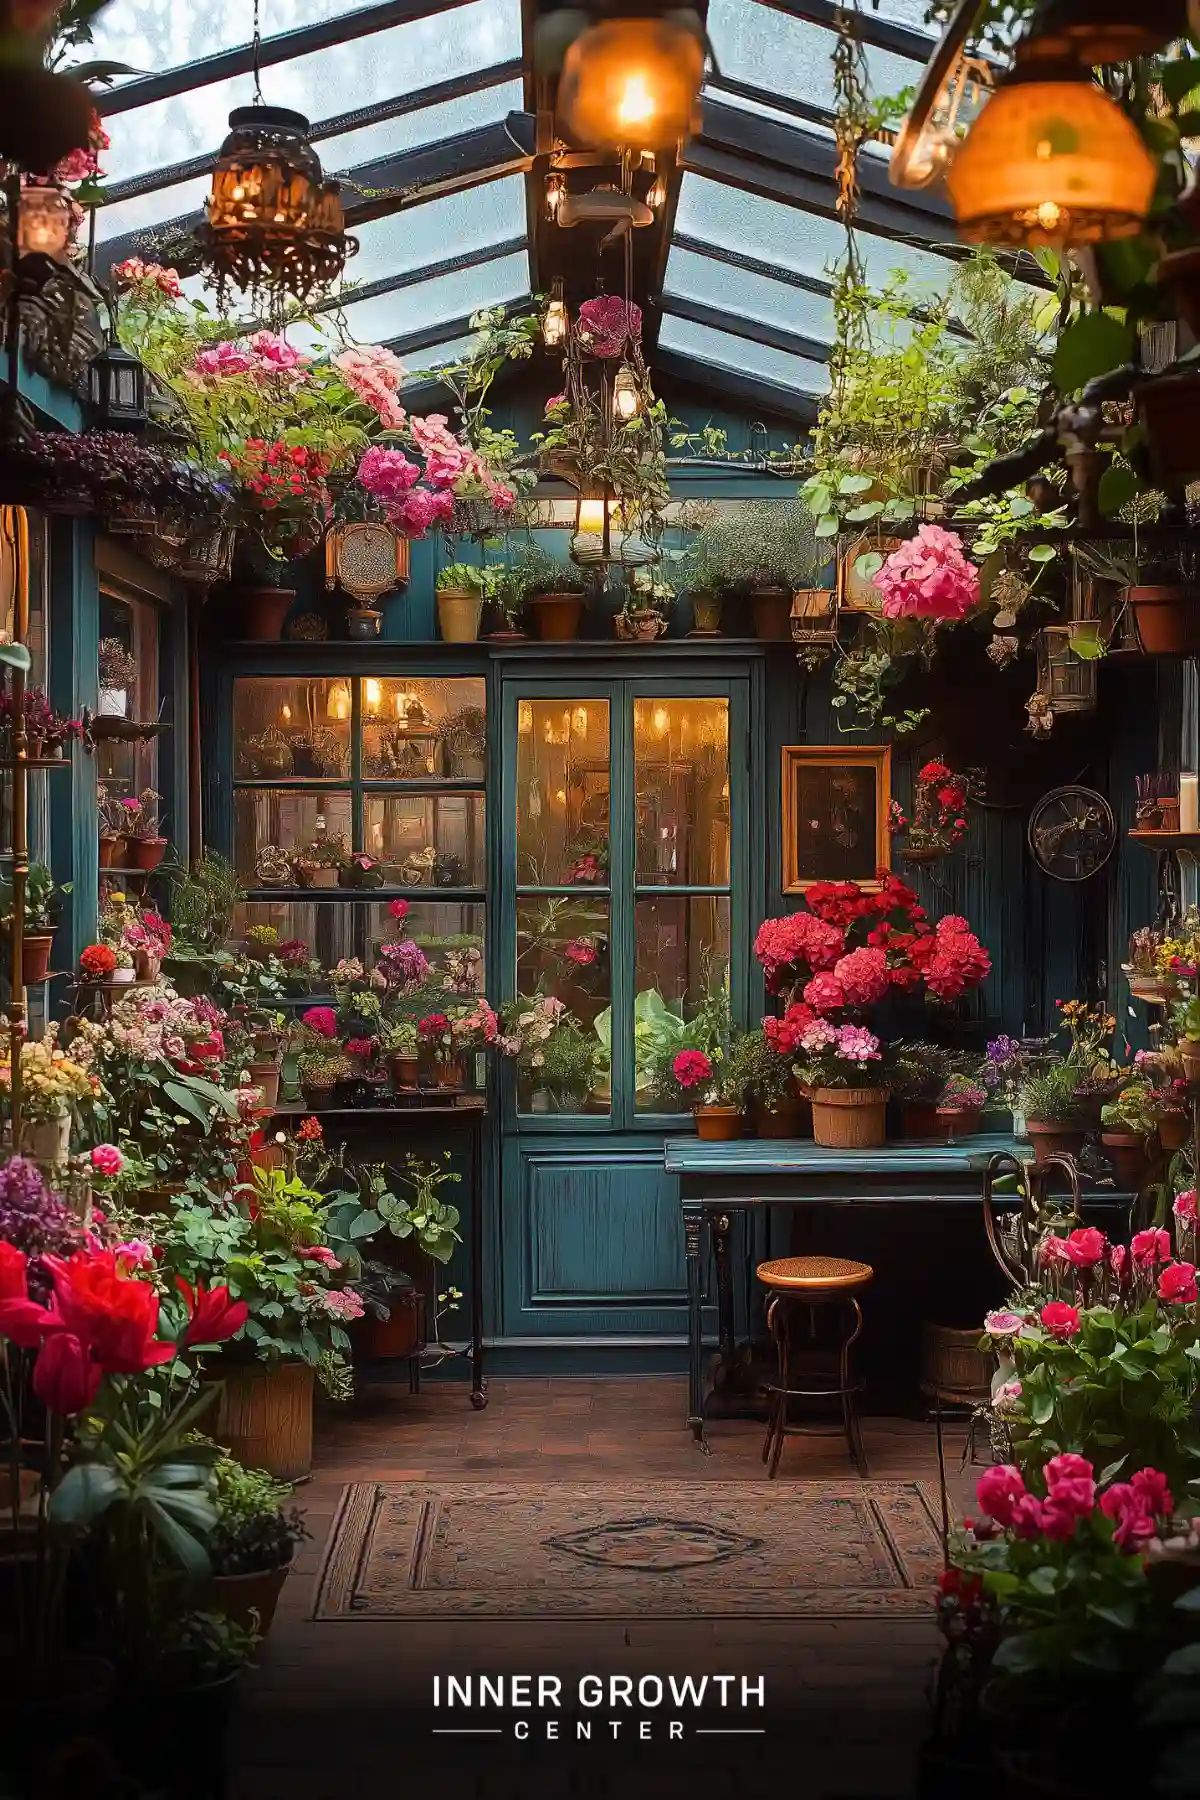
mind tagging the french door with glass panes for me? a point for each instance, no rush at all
(625, 852)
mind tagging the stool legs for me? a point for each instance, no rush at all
(780, 1318)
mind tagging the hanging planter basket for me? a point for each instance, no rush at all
(208, 556)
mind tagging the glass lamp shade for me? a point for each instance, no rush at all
(44, 222)
(631, 82)
(626, 393)
(1050, 161)
(555, 320)
(117, 389)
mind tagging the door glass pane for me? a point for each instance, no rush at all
(287, 819)
(562, 793)
(682, 952)
(449, 932)
(681, 779)
(291, 727)
(563, 952)
(426, 840)
(416, 729)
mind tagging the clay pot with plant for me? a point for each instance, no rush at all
(145, 846)
(1057, 1115)
(401, 1046)
(1164, 599)
(1185, 1017)
(253, 1543)
(118, 676)
(43, 904)
(1129, 1137)
(553, 589)
(775, 1108)
(459, 593)
(762, 551)
(319, 864)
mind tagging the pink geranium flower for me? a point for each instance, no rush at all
(107, 1160)
(863, 975)
(1185, 1206)
(322, 1020)
(929, 577)
(824, 993)
(398, 909)
(387, 474)
(998, 1491)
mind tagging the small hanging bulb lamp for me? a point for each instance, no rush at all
(43, 222)
(555, 320)
(555, 189)
(657, 196)
(626, 394)
(1050, 161)
(274, 228)
(633, 81)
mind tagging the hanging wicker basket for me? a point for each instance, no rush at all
(208, 556)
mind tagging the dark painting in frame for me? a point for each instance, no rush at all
(835, 814)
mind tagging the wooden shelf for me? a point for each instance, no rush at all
(421, 1109)
(35, 762)
(1168, 840)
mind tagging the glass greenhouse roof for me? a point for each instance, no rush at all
(425, 155)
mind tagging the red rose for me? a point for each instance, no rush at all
(1085, 1247)
(1060, 1320)
(1177, 1284)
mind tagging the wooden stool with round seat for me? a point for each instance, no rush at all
(804, 1283)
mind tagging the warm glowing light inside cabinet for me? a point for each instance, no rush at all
(591, 518)
(373, 694)
(579, 721)
(661, 721)
(525, 718)
(338, 704)
(285, 714)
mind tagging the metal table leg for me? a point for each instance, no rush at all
(693, 1228)
(478, 1379)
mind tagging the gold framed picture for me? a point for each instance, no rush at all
(835, 814)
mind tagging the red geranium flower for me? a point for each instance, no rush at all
(97, 961)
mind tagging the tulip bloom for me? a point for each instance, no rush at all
(212, 1315)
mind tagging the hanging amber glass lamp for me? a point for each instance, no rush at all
(555, 319)
(633, 81)
(1051, 160)
(1105, 31)
(626, 393)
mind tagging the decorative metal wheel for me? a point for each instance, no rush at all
(1072, 833)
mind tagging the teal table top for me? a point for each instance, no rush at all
(800, 1156)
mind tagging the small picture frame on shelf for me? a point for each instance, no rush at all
(835, 814)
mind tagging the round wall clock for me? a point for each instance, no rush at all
(1072, 833)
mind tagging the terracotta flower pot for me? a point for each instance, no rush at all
(112, 851)
(401, 1333)
(1050, 1138)
(793, 1120)
(1167, 619)
(1127, 1152)
(459, 613)
(956, 1121)
(324, 878)
(706, 613)
(403, 1071)
(1189, 1052)
(263, 612)
(557, 616)
(35, 956)
(718, 1124)
(849, 1118)
(266, 1416)
(265, 1075)
(1174, 1130)
(146, 853)
(772, 609)
(250, 1600)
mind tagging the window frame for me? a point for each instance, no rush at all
(623, 891)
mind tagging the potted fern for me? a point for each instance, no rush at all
(762, 551)
(553, 589)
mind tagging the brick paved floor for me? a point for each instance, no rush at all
(343, 1708)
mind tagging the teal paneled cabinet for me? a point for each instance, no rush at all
(627, 882)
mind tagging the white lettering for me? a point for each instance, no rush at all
(756, 1689)
(458, 1693)
(591, 1690)
(519, 1687)
(614, 1725)
(521, 1728)
(583, 1729)
(724, 1682)
(491, 1691)
(644, 1729)
(549, 1690)
(437, 1690)
(689, 1691)
(675, 1729)
(650, 1690)
(552, 1729)
(620, 1687)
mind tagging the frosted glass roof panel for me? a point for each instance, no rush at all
(749, 296)
(152, 35)
(436, 358)
(757, 360)
(454, 225)
(413, 309)
(152, 209)
(803, 241)
(324, 82)
(782, 55)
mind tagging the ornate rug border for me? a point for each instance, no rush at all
(348, 1546)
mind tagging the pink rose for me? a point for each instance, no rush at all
(275, 351)
(1147, 1248)
(107, 1160)
(1177, 1284)
(998, 1491)
(1085, 1247)
(1053, 1251)
(1060, 1320)
(398, 909)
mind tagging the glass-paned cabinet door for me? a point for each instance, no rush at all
(562, 1010)
(285, 728)
(423, 729)
(289, 819)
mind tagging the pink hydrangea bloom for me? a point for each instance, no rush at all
(222, 359)
(824, 993)
(863, 975)
(374, 375)
(856, 1044)
(929, 577)
(816, 1036)
(432, 434)
(387, 474)
(800, 940)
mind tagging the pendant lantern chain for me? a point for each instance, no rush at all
(257, 53)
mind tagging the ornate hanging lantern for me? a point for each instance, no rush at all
(274, 227)
(44, 221)
(626, 393)
(633, 81)
(555, 320)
